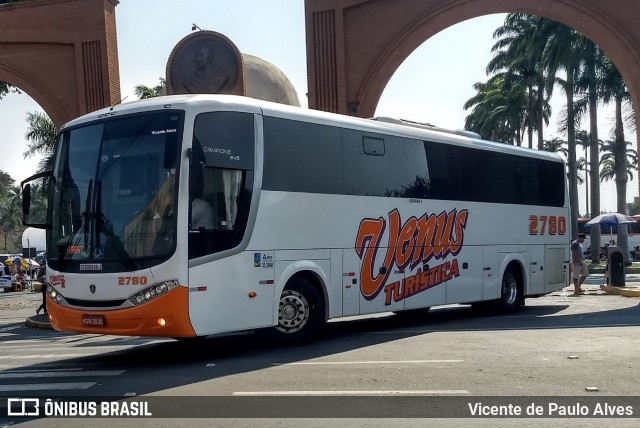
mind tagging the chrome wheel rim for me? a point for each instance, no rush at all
(509, 289)
(293, 312)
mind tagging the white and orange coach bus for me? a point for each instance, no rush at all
(194, 215)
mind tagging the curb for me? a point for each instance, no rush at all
(627, 271)
(620, 291)
(39, 321)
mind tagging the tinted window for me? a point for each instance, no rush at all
(301, 157)
(469, 174)
(397, 168)
(305, 157)
(227, 139)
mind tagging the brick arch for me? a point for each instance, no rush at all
(62, 53)
(36, 90)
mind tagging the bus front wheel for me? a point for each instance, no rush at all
(300, 312)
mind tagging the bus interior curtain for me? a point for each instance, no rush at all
(232, 180)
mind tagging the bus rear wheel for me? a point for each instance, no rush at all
(511, 292)
(300, 312)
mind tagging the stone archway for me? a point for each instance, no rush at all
(355, 46)
(62, 53)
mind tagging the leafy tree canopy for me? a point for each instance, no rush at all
(6, 88)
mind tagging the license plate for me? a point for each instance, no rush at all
(93, 320)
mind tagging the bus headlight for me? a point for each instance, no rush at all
(150, 293)
(54, 294)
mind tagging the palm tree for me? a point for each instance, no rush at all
(143, 91)
(588, 83)
(517, 54)
(555, 145)
(609, 169)
(582, 166)
(11, 213)
(613, 88)
(583, 139)
(41, 136)
(562, 53)
(497, 110)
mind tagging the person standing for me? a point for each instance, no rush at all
(42, 277)
(579, 271)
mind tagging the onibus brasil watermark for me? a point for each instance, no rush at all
(24, 407)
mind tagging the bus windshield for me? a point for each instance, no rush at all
(114, 193)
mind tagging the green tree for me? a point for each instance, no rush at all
(6, 88)
(587, 84)
(518, 54)
(5, 183)
(555, 145)
(613, 88)
(609, 162)
(562, 52)
(497, 110)
(583, 139)
(143, 91)
(11, 215)
(41, 136)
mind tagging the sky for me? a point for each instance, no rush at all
(432, 84)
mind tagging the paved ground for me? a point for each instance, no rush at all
(18, 306)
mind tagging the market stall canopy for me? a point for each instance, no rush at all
(610, 219)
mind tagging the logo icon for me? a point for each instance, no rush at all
(92, 288)
(411, 243)
(23, 407)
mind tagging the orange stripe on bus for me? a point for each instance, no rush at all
(141, 320)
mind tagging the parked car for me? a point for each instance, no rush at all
(7, 280)
(40, 258)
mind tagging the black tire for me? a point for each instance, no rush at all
(511, 292)
(301, 313)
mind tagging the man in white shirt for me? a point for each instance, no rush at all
(579, 270)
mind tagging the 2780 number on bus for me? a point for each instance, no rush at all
(547, 225)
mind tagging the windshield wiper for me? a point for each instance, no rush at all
(87, 217)
(83, 227)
